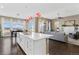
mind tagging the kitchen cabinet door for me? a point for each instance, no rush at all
(17, 38)
(27, 43)
(30, 46)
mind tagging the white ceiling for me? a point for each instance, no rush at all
(48, 10)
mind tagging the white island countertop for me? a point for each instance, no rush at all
(36, 36)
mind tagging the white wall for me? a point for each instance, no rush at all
(68, 30)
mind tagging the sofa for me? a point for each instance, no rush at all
(59, 36)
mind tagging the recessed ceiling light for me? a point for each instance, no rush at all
(18, 14)
(26, 7)
(2, 6)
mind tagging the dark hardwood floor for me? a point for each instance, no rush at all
(55, 48)
(8, 47)
(62, 48)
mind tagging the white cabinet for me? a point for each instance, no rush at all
(32, 45)
(25, 43)
(40, 47)
(28, 45)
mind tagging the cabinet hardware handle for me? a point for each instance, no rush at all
(27, 44)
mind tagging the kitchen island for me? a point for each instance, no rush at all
(34, 43)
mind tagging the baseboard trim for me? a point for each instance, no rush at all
(21, 49)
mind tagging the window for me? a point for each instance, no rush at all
(7, 24)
